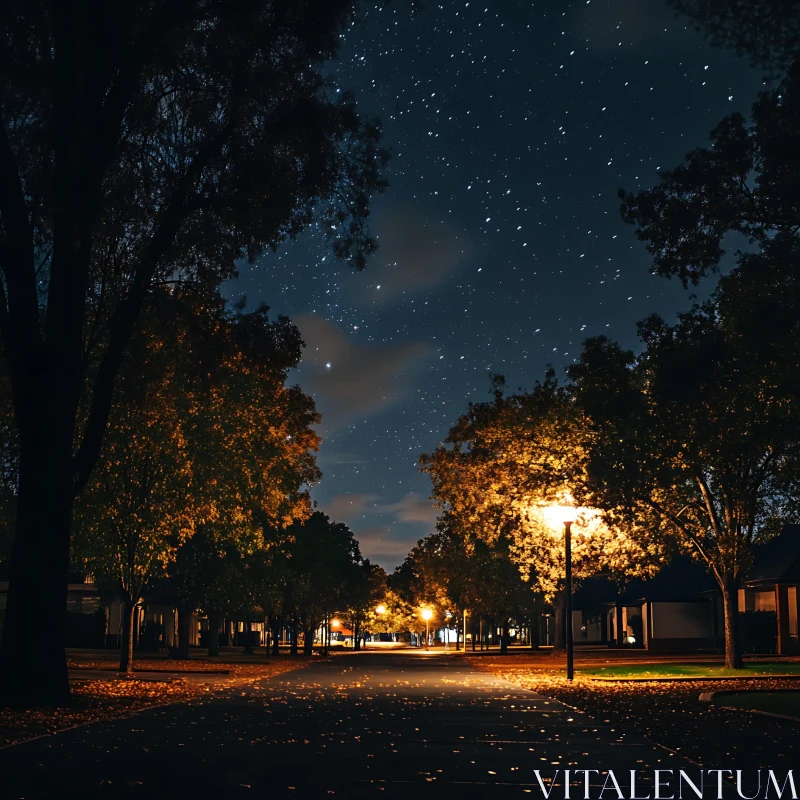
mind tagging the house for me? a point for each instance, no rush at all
(680, 609)
(671, 611)
(771, 587)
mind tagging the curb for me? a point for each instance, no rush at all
(708, 697)
(687, 678)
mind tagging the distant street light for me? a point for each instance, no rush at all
(381, 609)
(426, 615)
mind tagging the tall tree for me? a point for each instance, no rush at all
(142, 143)
(695, 437)
(323, 565)
(201, 434)
(138, 507)
(9, 468)
(747, 182)
(728, 416)
(361, 597)
(504, 470)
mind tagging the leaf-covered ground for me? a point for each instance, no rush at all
(670, 714)
(112, 695)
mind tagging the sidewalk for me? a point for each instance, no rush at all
(100, 692)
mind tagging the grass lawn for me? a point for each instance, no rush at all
(671, 712)
(787, 703)
(645, 671)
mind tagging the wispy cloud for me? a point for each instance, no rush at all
(379, 545)
(349, 507)
(415, 255)
(349, 379)
(412, 508)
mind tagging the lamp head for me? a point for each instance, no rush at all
(559, 515)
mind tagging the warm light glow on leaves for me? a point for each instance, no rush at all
(514, 470)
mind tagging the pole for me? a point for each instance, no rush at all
(427, 635)
(568, 600)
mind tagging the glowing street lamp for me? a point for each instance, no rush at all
(565, 515)
(426, 615)
(568, 603)
(381, 609)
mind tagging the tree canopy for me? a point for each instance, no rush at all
(504, 468)
(203, 434)
(696, 439)
(767, 32)
(144, 144)
(747, 182)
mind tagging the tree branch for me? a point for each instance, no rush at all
(128, 309)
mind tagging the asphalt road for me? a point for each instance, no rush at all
(360, 725)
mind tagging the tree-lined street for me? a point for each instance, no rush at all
(360, 725)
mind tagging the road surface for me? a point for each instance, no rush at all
(359, 725)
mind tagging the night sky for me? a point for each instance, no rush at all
(512, 124)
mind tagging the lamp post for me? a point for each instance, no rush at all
(426, 615)
(568, 599)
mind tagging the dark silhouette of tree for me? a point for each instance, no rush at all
(322, 565)
(361, 597)
(747, 182)
(140, 144)
(9, 468)
(694, 438)
(766, 32)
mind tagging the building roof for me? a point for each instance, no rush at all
(779, 558)
(682, 580)
(594, 592)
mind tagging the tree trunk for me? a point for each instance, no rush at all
(184, 631)
(33, 667)
(276, 637)
(357, 637)
(128, 629)
(214, 618)
(308, 641)
(504, 639)
(534, 633)
(293, 646)
(248, 637)
(733, 646)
